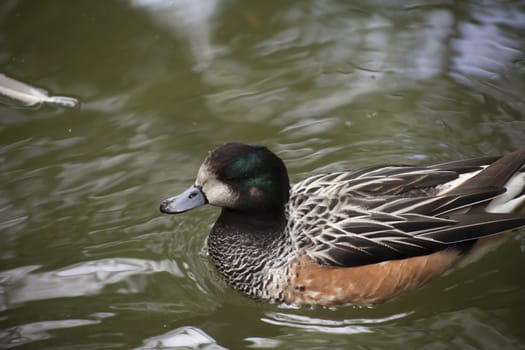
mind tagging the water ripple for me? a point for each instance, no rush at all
(321, 325)
(25, 284)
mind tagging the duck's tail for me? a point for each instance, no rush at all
(507, 174)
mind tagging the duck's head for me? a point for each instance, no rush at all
(236, 176)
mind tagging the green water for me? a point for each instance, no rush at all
(88, 262)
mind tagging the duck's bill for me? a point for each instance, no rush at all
(192, 198)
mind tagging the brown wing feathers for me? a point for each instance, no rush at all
(392, 226)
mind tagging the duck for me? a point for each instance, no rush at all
(349, 238)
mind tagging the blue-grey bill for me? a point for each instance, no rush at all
(192, 198)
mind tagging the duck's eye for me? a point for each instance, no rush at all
(238, 178)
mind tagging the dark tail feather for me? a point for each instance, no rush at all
(496, 174)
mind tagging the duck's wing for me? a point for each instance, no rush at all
(395, 212)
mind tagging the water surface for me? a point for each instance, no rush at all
(88, 262)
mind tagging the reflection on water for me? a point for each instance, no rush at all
(190, 19)
(27, 333)
(483, 45)
(329, 85)
(184, 337)
(24, 284)
(347, 57)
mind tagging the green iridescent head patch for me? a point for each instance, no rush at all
(246, 166)
(254, 172)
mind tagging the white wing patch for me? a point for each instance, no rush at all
(512, 199)
(462, 178)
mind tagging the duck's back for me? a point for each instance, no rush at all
(370, 235)
(395, 212)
